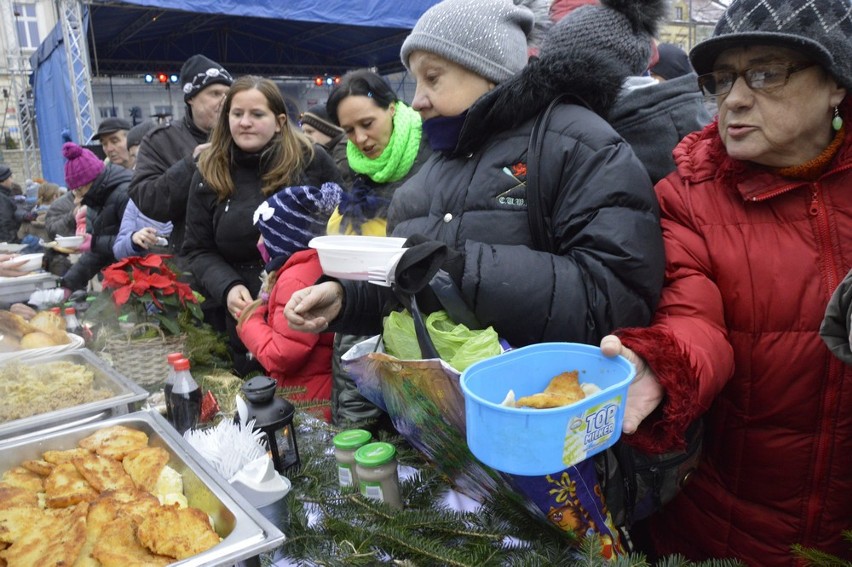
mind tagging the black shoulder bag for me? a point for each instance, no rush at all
(635, 484)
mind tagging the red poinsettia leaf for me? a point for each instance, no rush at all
(121, 295)
(158, 281)
(185, 293)
(140, 282)
(151, 261)
(123, 263)
(114, 277)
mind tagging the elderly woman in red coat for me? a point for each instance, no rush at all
(287, 221)
(757, 222)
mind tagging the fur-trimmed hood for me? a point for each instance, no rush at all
(592, 80)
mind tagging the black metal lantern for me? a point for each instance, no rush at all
(274, 418)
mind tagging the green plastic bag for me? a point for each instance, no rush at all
(458, 346)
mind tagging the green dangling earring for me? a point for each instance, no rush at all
(837, 121)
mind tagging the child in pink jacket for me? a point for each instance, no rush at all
(287, 221)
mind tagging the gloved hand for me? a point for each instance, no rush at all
(422, 260)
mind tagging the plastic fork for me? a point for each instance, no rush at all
(384, 275)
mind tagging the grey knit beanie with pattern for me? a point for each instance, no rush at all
(622, 30)
(489, 37)
(820, 28)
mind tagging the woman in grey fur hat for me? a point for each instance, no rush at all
(479, 101)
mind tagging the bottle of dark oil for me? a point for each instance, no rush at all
(170, 382)
(185, 398)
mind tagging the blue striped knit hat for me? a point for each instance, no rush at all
(290, 218)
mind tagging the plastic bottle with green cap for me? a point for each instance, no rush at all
(345, 445)
(376, 467)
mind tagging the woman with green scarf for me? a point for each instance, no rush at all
(385, 147)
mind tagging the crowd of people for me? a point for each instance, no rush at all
(693, 217)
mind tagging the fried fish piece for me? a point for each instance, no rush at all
(22, 478)
(38, 466)
(59, 457)
(56, 539)
(564, 389)
(17, 520)
(177, 532)
(118, 546)
(13, 496)
(145, 465)
(65, 487)
(115, 441)
(103, 473)
(138, 505)
(103, 511)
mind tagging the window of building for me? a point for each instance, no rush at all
(107, 111)
(27, 24)
(679, 13)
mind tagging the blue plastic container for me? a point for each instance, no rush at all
(527, 441)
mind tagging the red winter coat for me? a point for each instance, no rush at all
(752, 259)
(293, 358)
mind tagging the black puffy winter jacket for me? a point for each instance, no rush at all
(607, 270)
(106, 199)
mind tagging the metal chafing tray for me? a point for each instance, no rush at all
(127, 397)
(244, 531)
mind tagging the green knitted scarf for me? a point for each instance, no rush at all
(396, 160)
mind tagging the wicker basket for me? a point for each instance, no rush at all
(142, 360)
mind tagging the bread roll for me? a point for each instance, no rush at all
(48, 321)
(12, 324)
(38, 339)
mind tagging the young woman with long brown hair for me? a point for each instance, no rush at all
(254, 152)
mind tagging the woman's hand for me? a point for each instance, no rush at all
(310, 310)
(645, 392)
(238, 298)
(145, 238)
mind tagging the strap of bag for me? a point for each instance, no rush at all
(538, 220)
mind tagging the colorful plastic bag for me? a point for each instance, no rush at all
(424, 401)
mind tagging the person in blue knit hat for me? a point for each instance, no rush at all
(287, 221)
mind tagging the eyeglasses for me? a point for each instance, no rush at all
(759, 78)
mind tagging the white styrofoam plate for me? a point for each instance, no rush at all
(351, 257)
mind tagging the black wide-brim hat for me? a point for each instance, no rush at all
(820, 29)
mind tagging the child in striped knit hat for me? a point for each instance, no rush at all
(287, 221)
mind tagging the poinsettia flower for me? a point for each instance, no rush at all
(147, 288)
